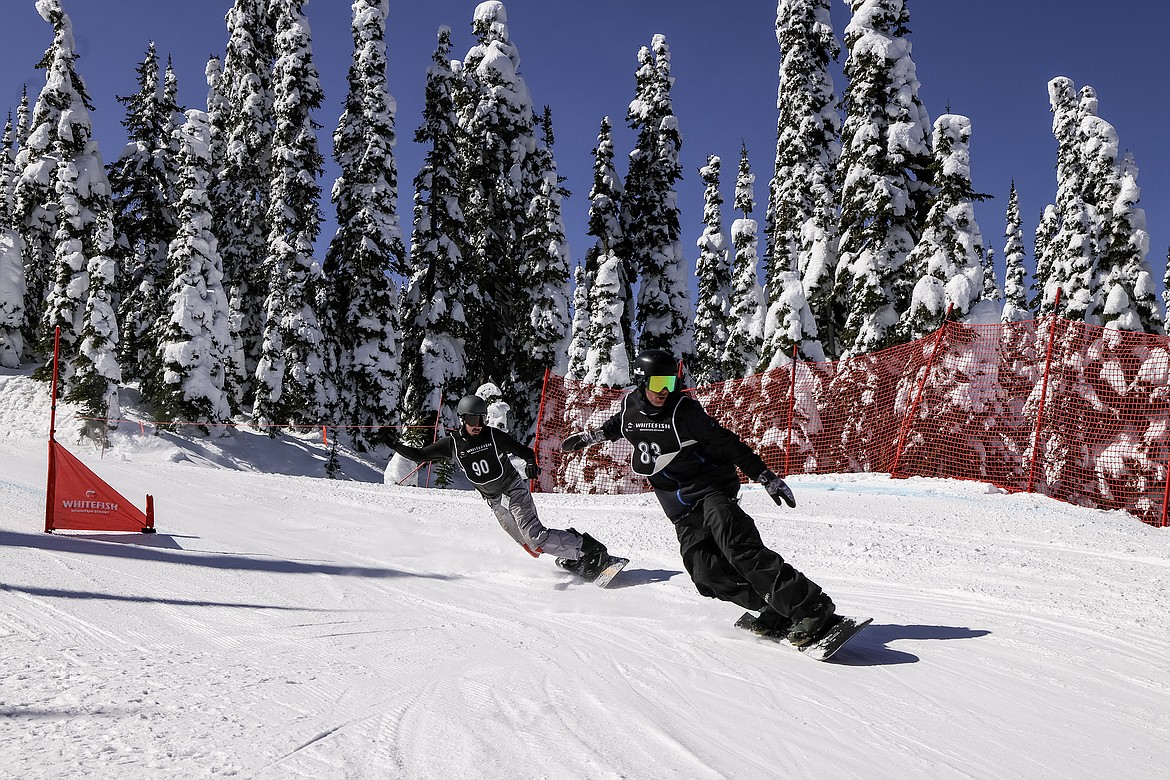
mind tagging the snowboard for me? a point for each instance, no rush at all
(841, 631)
(609, 569)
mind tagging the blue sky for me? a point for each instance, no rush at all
(990, 60)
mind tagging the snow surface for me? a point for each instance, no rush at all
(282, 625)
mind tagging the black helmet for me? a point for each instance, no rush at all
(654, 362)
(471, 404)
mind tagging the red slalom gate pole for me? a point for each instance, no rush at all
(50, 492)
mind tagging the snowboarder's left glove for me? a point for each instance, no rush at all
(579, 441)
(531, 470)
(777, 489)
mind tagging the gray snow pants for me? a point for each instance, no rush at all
(516, 511)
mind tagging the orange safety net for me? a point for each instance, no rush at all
(1077, 412)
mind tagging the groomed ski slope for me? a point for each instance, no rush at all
(287, 626)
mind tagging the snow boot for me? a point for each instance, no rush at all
(592, 560)
(812, 623)
(770, 623)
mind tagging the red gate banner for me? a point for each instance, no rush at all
(79, 500)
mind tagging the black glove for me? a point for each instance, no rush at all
(531, 470)
(776, 488)
(579, 441)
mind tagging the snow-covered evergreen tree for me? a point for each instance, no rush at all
(1070, 262)
(741, 355)
(801, 218)
(578, 349)
(884, 171)
(434, 321)
(948, 260)
(291, 382)
(1127, 287)
(546, 266)
(11, 262)
(144, 220)
(1015, 308)
(713, 269)
(240, 198)
(73, 262)
(194, 341)
(498, 135)
(362, 299)
(608, 274)
(97, 374)
(1043, 303)
(650, 217)
(219, 113)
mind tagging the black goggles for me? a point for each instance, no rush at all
(473, 420)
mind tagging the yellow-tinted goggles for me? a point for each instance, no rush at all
(656, 384)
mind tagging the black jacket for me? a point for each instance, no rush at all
(681, 450)
(482, 457)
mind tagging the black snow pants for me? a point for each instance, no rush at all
(726, 558)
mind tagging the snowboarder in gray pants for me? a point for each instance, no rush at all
(482, 452)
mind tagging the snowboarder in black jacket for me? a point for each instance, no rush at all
(690, 460)
(482, 452)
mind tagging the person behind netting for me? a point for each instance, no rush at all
(482, 452)
(690, 460)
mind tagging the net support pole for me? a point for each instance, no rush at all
(1043, 393)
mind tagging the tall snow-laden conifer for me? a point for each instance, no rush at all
(434, 319)
(884, 174)
(741, 355)
(1042, 302)
(498, 134)
(219, 113)
(608, 274)
(240, 198)
(578, 349)
(650, 217)
(291, 382)
(362, 299)
(11, 262)
(801, 217)
(144, 220)
(1131, 276)
(713, 269)
(948, 260)
(194, 340)
(79, 277)
(1069, 262)
(1015, 307)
